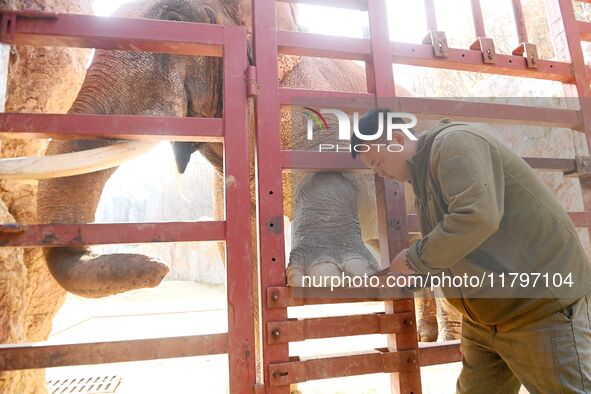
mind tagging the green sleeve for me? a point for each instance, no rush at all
(468, 169)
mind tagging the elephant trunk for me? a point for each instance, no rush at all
(73, 200)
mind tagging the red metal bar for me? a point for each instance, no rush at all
(127, 34)
(436, 109)
(477, 18)
(239, 244)
(430, 15)
(283, 297)
(566, 41)
(439, 353)
(390, 196)
(581, 219)
(269, 175)
(376, 361)
(471, 60)
(115, 126)
(360, 5)
(520, 26)
(16, 357)
(318, 45)
(342, 161)
(295, 330)
(57, 235)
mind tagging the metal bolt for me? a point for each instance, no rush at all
(412, 360)
(409, 322)
(275, 332)
(275, 296)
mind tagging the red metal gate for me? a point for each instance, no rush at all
(228, 42)
(403, 357)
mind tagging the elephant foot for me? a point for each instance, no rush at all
(93, 275)
(310, 267)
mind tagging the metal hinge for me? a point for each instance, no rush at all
(252, 86)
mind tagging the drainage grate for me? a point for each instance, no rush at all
(92, 385)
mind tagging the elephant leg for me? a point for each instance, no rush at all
(326, 237)
(449, 319)
(426, 311)
(78, 270)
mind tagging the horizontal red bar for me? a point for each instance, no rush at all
(295, 330)
(421, 55)
(377, 361)
(317, 45)
(56, 235)
(343, 161)
(471, 60)
(16, 357)
(283, 297)
(360, 5)
(115, 126)
(435, 353)
(128, 34)
(436, 109)
(584, 29)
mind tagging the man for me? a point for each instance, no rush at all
(485, 215)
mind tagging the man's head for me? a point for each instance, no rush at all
(389, 163)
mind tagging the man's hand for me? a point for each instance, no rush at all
(399, 266)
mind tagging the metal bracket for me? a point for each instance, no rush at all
(529, 52)
(487, 47)
(252, 86)
(438, 41)
(582, 167)
(8, 21)
(7, 27)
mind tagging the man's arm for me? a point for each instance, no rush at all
(470, 174)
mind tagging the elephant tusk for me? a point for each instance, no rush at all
(75, 163)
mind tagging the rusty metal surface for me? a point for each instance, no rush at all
(332, 367)
(128, 34)
(54, 235)
(520, 26)
(269, 175)
(487, 47)
(439, 353)
(239, 241)
(529, 53)
(15, 357)
(438, 41)
(294, 330)
(283, 296)
(477, 18)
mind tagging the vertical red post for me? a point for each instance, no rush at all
(389, 195)
(241, 345)
(430, 14)
(477, 18)
(566, 41)
(519, 21)
(269, 174)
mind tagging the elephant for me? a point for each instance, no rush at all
(141, 83)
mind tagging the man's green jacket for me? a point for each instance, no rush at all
(485, 214)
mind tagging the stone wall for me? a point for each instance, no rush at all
(40, 80)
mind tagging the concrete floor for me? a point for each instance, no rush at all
(187, 308)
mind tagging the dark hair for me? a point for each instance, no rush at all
(368, 125)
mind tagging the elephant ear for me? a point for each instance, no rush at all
(182, 154)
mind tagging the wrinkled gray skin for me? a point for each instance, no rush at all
(332, 214)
